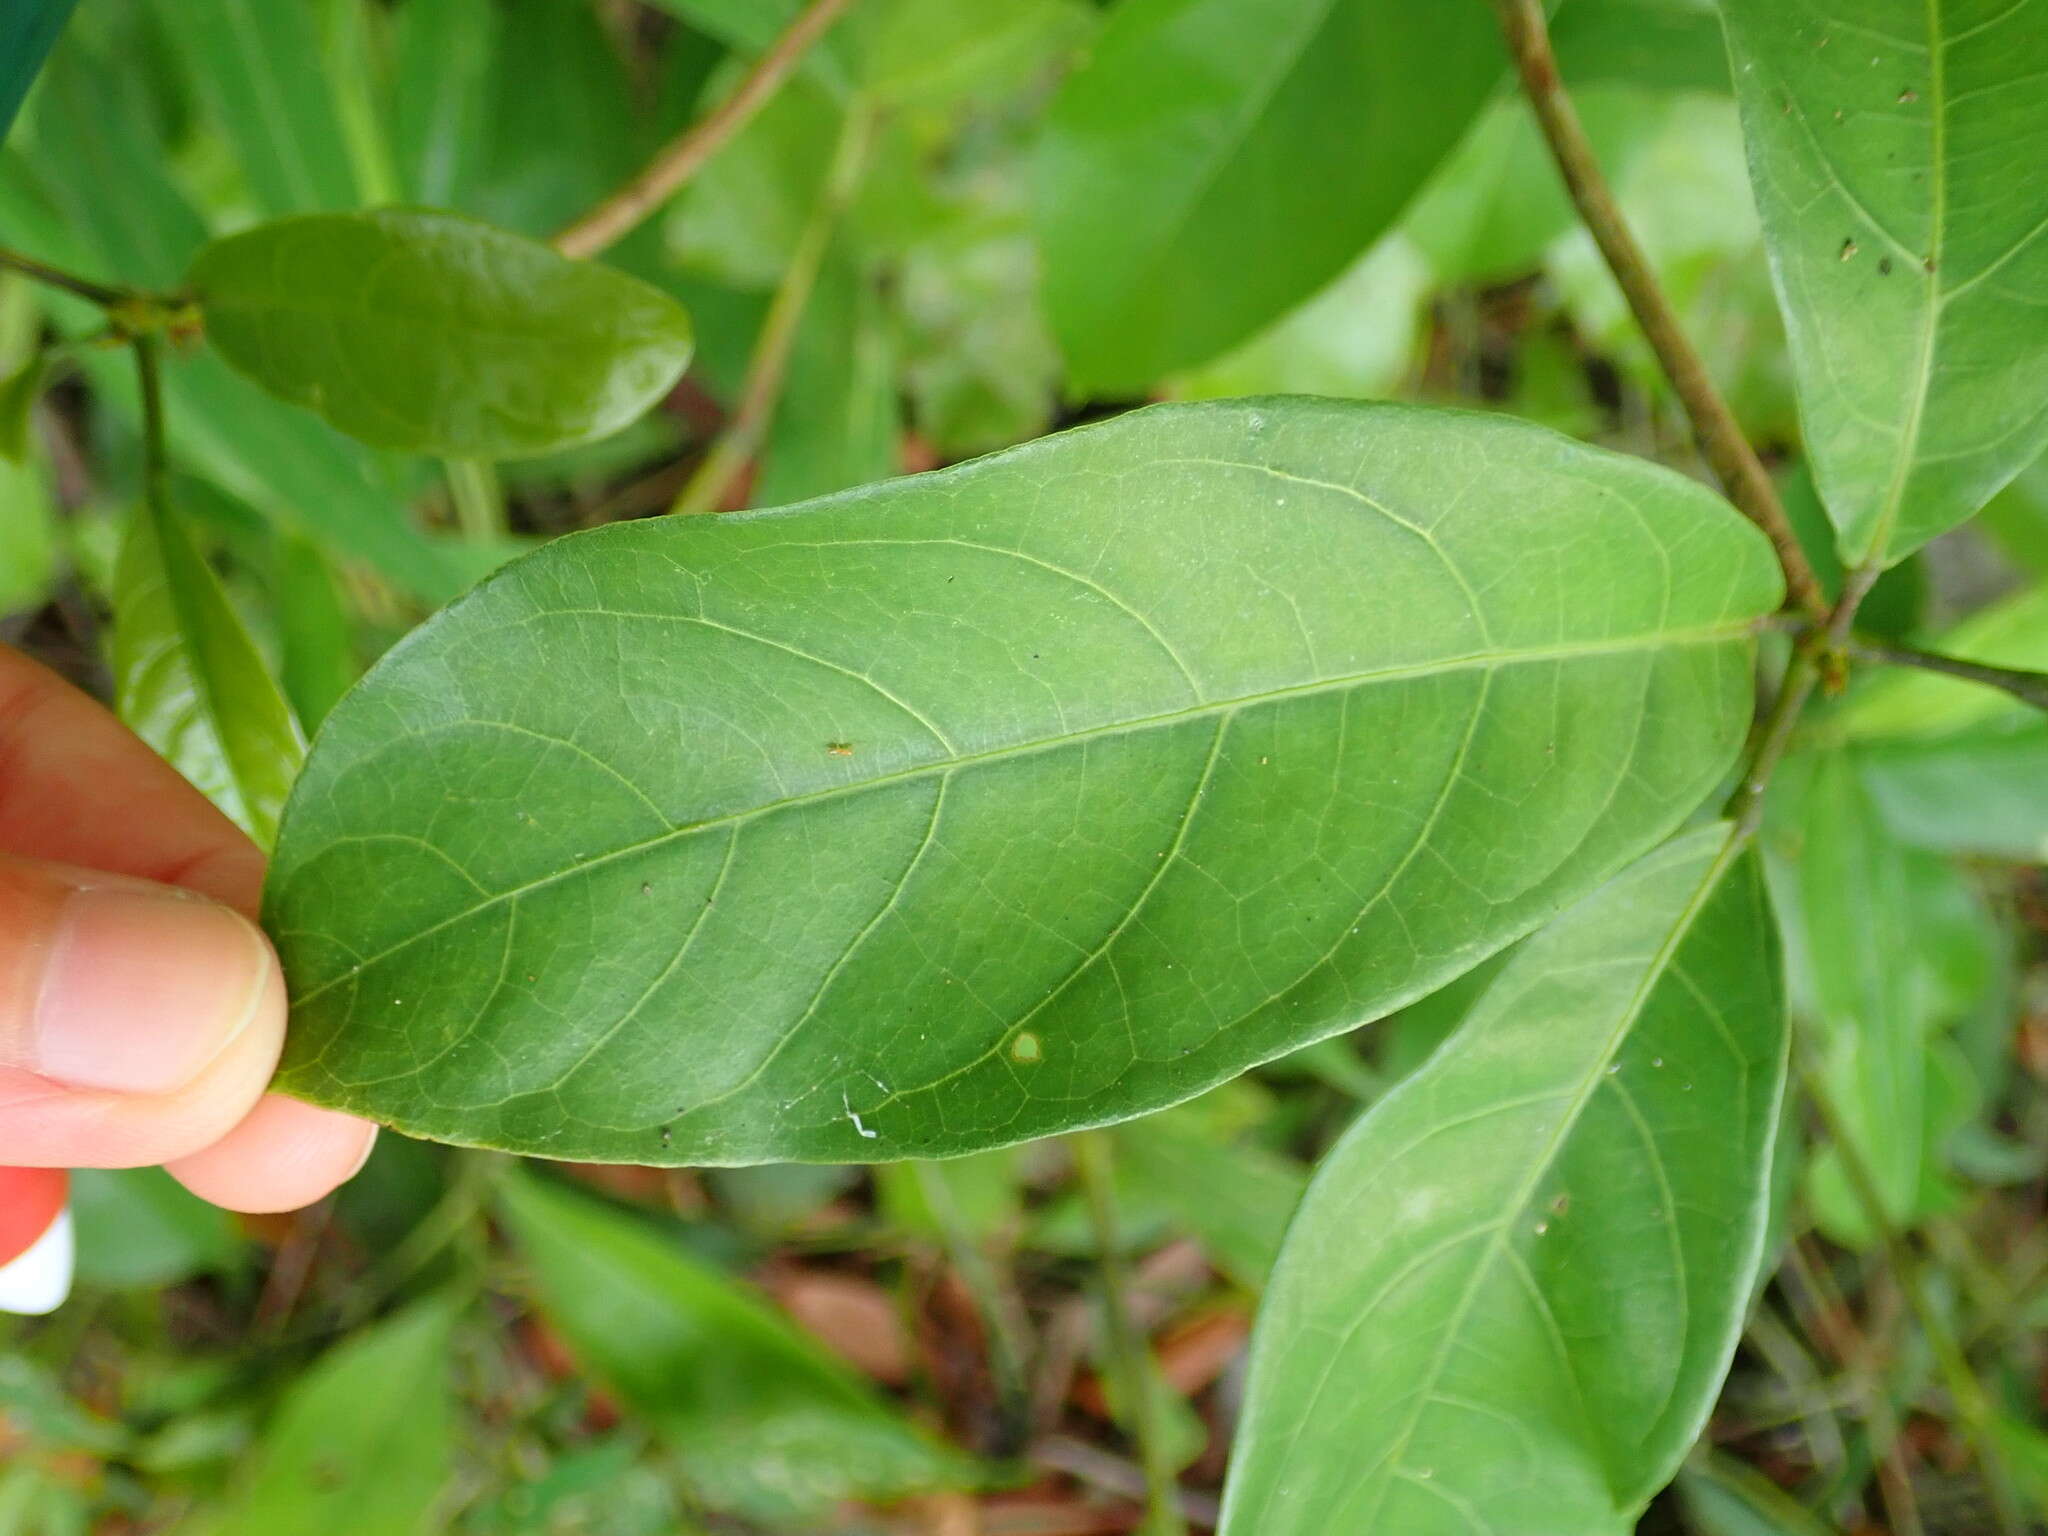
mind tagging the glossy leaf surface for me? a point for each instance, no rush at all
(189, 681)
(1896, 148)
(1035, 793)
(362, 1442)
(763, 1420)
(1509, 1298)
(1215, 162)
(434, 333)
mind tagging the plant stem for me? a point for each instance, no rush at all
(479, 501)
(155, 458)
(2027, 687)
(769, 365)
(84, 288)
(1973, 1407)
(1746, 806)
(1720, 438)
(1129, 1364)
(683, 156)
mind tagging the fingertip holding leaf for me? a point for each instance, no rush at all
(1184, 739)
(1512, 1291)
(428, 332)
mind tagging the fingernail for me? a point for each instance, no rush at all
(143, 988)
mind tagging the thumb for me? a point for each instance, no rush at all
(138, 1022)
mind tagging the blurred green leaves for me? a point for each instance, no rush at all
(762, 1421)
(364, 1441)
(1201, 173)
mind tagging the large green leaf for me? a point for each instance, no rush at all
(434, 333)
(763, 1420)
(1215, 162)
(1896, 148)
(189, 681)
(1510, 1296)
(1035, 793)
(362, 1442)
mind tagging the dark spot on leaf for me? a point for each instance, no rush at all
(1884, 266)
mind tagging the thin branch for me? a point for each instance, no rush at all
(84, 288)
(1720, 437)
(155, 456)
(769, 366)
(683, 156)
(2027, 687)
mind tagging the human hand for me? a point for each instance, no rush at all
(141, 1009)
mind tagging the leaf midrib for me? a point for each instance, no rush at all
(1539, 1167)
(1672, 639)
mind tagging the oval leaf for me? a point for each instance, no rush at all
(432, 333)
(1215, 162)
(189, 681)
(1511, 1294)
(1896, 148)
(1036, 793)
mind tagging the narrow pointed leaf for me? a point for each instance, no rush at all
(1896, 148)
(1215, 162)
(257, 67)
(189, 681)
(1036, 793)
(432, 333)
(1511, 1294)
(763, 1420)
